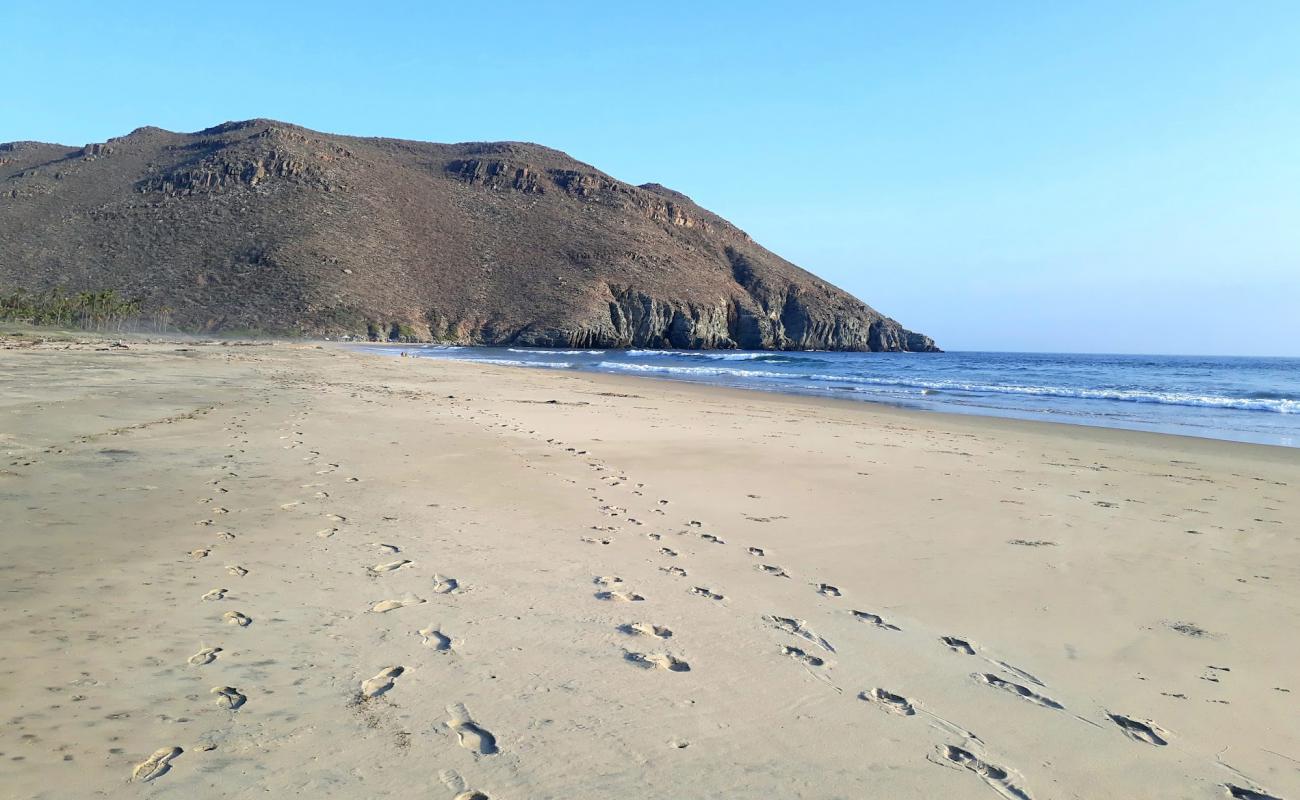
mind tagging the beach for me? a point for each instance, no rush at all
(253, 569)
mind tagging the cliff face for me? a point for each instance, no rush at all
(268, 227)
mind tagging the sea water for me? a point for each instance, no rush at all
(1237, 398)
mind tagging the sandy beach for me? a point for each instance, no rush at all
(288, 570)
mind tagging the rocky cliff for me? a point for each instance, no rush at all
(268, 227)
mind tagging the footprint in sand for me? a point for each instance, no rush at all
(470, 734)
(798, 627)
(434, 638)
(875, 619)
(156, 765)
(226, 535)
(453, 781)
(704, 591)
(384, 606)
(893, 703)
(236, 570)
(443, 585)
(326, 533)
(236, 618)
(662, 661)
(606, 580)
(215, 594)
(1023, 692)
(1240, 793)
(1017, 671)
(201, 552)
(390, 566)
(958, 645)
(373, 687)
(802, 656)
(205, 656)
(619, 596)
(674, 571)
(290, 506)
(229, 697)
(772, 570)
(646, 629)
(826, 590)
(1139, 731)
(388, 549)
(996, 777)
(335, 518)
(590, 540)
(757, 552)
(668, 551)
(708, 537)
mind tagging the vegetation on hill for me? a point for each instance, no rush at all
(97, 311)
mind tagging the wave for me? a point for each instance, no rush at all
(711, 355)
(510, 362)
(773, 357)
(660, 368)
(1272, 396)
(540, 351)
(1273, 405)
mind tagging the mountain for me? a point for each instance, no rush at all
(262, 226)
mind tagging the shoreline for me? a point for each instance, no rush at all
(459, 578)
(847, 402)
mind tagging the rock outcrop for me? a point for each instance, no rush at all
(260, 226)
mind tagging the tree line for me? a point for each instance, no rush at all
(99, 311)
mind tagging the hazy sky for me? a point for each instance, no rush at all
(1098, 177)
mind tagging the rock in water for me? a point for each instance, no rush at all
(265, 226)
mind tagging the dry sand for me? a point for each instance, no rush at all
(283, 571)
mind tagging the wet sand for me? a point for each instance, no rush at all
(290, 570)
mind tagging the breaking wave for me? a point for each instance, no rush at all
(545, 352)
(1274, 404)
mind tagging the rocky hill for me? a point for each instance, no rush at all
(268, 227)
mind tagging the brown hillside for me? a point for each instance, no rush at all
(269, 227)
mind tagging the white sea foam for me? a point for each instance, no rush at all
(710, 355)
(1274, 405)
(510, 362)
(541, 351)
(702, 371)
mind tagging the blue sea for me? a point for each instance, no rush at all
(1236, 398)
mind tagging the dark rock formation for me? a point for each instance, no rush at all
(268, 227)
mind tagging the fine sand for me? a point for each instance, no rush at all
(250, 571)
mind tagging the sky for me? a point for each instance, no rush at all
(1025, 176)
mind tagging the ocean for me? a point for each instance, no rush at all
(1235, 398)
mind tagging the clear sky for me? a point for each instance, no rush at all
(1097, 177)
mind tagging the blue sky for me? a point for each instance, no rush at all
(1098, 177)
